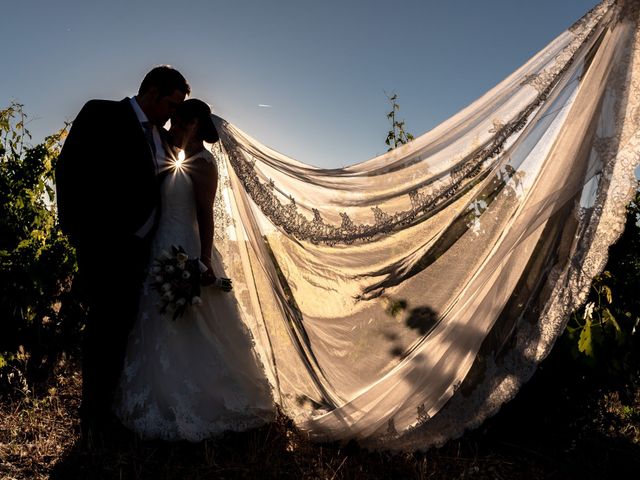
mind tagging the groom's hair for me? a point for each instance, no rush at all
(166, 79)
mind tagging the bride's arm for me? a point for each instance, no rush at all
(204, 175)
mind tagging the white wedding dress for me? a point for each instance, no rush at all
(197, 376)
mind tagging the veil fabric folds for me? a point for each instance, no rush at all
(402, 300)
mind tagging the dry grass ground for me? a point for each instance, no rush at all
(557, 428)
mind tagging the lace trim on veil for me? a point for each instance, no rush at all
(423, 204)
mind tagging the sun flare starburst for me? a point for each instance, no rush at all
(178, 162)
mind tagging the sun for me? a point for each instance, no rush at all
(178, 163)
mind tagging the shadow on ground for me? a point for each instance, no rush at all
(559, 427)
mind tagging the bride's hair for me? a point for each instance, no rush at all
(197, 109)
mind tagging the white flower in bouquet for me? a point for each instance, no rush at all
(174, 281)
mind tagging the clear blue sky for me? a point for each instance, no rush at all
(322, 65)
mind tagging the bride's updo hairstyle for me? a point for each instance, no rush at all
(196, 109)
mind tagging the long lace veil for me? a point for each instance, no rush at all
(402, 300)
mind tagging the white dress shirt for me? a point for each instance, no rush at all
(159, 154)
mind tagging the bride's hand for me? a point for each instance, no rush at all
(223, 283)
(208, 277)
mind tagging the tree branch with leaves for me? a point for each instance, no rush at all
(397, 135)
(36, 260)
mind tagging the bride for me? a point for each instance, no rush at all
(197, 376)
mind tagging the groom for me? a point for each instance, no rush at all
(108, 204)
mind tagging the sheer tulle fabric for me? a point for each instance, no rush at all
(197, 376)
(403, 300)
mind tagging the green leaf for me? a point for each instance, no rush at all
(585, 343)
(608, 318)
(607, 291)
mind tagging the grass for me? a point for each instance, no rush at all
(561, 426)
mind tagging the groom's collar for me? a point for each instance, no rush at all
(142, 118)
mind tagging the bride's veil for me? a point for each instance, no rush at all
(404, 299)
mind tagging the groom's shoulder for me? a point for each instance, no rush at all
(102, 113)
(102, 106)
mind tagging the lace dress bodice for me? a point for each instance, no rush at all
(178, 221)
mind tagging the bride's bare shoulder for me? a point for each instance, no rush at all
(206, 155)
(203, 166)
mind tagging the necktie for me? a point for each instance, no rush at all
(148, 132)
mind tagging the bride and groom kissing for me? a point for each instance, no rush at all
(122, 200)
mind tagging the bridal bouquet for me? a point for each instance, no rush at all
(176, 277)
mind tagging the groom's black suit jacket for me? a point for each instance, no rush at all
(106, 190)
(105, 176)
